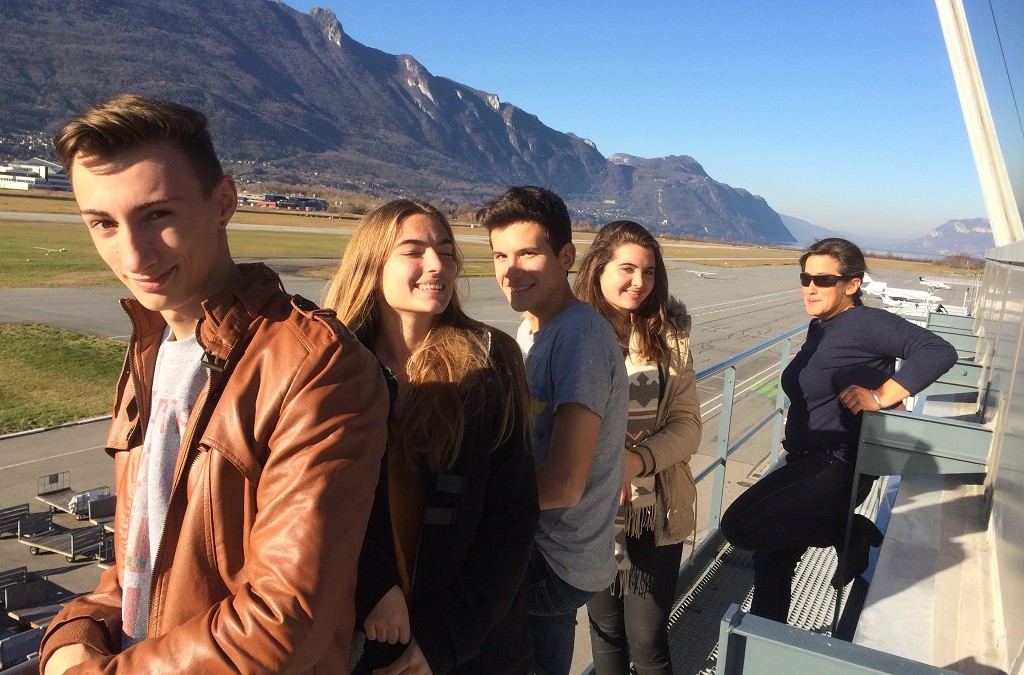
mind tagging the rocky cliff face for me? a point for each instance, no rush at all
(682, 199)
(292, 97)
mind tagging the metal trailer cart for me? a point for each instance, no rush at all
(18, 645)
(9, 517)
(55, 491)
(39, 533)
(10, 579)
(102, 510)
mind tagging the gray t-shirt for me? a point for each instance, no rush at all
(576, 359)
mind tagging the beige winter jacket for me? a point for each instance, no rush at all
(667, 452)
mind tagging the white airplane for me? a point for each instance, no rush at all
(49, 250)
(880, 289)
(872, 287)
(934, 284)
(702, 275)
(930, 305)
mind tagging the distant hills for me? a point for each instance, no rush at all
(292, 98)
(969, 235)
(972, 236)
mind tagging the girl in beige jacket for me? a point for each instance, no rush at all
(623, 276)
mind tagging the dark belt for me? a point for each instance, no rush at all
(840, 450)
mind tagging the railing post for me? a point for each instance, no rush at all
(780, 403)
(722, 447)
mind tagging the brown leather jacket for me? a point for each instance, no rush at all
(275, 477)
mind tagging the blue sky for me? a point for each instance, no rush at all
(844, 114)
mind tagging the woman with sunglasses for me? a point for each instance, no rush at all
(847, 365)
(440, 587)
(623, 276)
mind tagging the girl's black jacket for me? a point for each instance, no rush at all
(466, 604)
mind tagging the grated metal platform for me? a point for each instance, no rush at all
(694, 623)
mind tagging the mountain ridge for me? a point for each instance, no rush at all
(292, 97)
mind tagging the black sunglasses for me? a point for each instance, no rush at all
(822, 280)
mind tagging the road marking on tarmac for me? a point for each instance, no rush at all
(43, 459)
(768, 387)
(742, 387)
(702, 310)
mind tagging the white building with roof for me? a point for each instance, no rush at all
(35, 174)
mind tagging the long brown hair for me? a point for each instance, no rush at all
(646, 322)
(447, 372)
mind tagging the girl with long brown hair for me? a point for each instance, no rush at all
(453, 523)
(623, 276)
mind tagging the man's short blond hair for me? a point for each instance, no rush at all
(128, 121)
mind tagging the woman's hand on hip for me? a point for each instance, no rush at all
(858, 399)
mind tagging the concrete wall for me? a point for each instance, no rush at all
(1001, 322)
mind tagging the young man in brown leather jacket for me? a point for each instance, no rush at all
(247, 432)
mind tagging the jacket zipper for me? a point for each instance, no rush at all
(415, 564)
(133, 372)
(419, 545)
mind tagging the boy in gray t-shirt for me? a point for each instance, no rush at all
(580, 396)
(575, 358)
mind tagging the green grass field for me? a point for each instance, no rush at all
(24, 262)
(31, 255)
(34, 201)
(52, 375)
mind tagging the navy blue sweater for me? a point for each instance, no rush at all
(859, 346)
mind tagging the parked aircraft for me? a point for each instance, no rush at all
(934, 284)
(702, 275)
(872, 286)
(880, 289)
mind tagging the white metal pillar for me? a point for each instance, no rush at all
(995, 182)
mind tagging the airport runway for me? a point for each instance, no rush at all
(738, 305)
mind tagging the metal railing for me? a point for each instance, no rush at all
(724, 445)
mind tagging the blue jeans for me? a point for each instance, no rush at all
(552, 605)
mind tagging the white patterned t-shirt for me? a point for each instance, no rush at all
(177, 382)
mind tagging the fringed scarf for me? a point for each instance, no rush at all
(633, 519)
(639, 515)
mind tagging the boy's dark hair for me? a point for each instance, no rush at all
(127, 121)
(529, 203)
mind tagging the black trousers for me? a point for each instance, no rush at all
(801, 504)
(634, 627)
